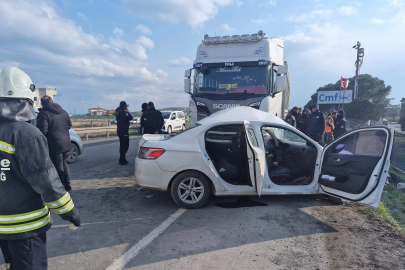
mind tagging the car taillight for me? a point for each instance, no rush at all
(150, 153)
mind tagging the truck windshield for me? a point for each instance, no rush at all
(233, 80)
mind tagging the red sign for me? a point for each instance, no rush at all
(342, 83)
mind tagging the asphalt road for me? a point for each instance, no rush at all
(124, 229)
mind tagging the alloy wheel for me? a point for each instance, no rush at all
(190, 190)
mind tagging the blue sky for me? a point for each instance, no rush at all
(97, 53)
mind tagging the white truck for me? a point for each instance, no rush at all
(238, 70)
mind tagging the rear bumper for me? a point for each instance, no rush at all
(149, 175)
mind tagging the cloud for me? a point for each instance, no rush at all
(347, 10)
(118, 32)
(226, 27)
(273, 3)
(297, 37)
(82, 16)
(305, 17)
(239, 3)
(259, 21)
(146, 42)
(194, 13)
(143, 29)
(78, 63)
(376, 20)
(397, 3)
(180, 62)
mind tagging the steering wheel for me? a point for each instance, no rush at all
(272, 146)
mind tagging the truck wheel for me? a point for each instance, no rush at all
(190, 190)
(169, 130)
(73, 154)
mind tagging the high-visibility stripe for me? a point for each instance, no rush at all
(23, 217)
(7, 266)
(26, 227)
(59, 202)
(69, 206)
(8, 148)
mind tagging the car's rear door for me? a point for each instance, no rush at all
(256, 158)
(355, 166)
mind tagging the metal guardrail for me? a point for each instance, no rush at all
(105, 130)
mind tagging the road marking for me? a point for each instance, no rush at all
(107, 144)
(131, 254)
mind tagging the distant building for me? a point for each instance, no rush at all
(43, 92)
(97, 111)
(110, 112)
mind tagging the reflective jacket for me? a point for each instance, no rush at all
(329, 124)
(29, 183)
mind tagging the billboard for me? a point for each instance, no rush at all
(332, 97)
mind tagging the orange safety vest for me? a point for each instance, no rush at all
(328, 129)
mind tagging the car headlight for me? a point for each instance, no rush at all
(255, 104)
(201, 104)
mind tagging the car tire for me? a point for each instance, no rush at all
(169, 130)
(183, 127)
(190, 197)
(73, 154)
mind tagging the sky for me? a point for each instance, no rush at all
(97, 53)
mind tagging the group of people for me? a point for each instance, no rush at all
(151, 123)
(316, 125)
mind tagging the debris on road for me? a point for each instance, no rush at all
(148, 196)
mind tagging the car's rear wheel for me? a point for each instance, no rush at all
(169, 130)
(190, 189)
(73, 154)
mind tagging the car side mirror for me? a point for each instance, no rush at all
(187, 85)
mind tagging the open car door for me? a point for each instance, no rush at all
(256, 158)
(355, 166)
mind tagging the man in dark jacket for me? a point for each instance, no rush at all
(316, 123)
(302, 122)
(340, 125)
(154, 120)
(292, 116)
(55, 123)
(143, 118)
(123, 117)
(29, 183)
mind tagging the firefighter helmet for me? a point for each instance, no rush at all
(15, 83)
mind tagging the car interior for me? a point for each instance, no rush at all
(290, 158)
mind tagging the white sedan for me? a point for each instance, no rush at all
(244, 151)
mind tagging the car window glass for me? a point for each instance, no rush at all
(364, 143)
(252, 137)
(180, 115)
(284, 134)
(173, 117)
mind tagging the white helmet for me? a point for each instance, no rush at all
(15, 83)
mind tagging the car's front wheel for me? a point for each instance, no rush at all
(73, 154)
(183, 127)
(190, 189)
(169, 130)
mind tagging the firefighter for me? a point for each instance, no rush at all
(29, 184)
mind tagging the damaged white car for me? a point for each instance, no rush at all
(244, 151)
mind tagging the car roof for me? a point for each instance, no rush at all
(242, 113)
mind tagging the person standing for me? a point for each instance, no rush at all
(302, 122)
(340, 124)
(30, 184)
(291, 117)
(154, 120)
(143, 118)
(123, 117)
(329, 127)
(316, 123)
(54, 123)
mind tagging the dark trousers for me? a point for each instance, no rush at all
(124, 146)
(315, 137)
(59, 161)
(329, 137)
(26, 254)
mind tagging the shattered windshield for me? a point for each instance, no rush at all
(235, 80)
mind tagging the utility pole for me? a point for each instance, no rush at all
(358, 64)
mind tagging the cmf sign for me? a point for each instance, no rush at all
(335, 97)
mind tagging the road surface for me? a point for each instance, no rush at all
(123, 228)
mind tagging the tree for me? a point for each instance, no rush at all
(370, 88)
(402, 119)
(393, 111)
(357, 108)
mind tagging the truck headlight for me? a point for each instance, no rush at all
(201, 104)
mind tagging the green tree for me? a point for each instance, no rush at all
(402, 119)
(359, 106)
(370, 88)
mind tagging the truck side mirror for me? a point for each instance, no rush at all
(187, 85)
(281, 84)
(282, 70)
(187, 73)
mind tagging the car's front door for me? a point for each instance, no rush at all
(256, 158)
(355, 166)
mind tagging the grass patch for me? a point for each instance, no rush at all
(398, 154)
(392, 209)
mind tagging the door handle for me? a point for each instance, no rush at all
(337, 159)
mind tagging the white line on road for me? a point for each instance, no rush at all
(131, 254)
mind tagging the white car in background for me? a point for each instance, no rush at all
(244, 151)
(174, 121)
